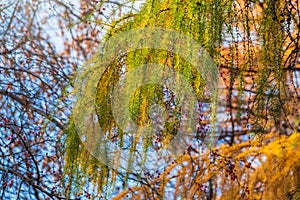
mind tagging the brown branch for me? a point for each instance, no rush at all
(35, 109)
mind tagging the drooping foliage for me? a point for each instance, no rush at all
(255, 44)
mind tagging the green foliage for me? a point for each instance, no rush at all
(255, 62)
(202, 21)
(81, 168)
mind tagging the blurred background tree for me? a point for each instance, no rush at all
(42, 44)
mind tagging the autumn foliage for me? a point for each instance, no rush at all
(255, 45)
